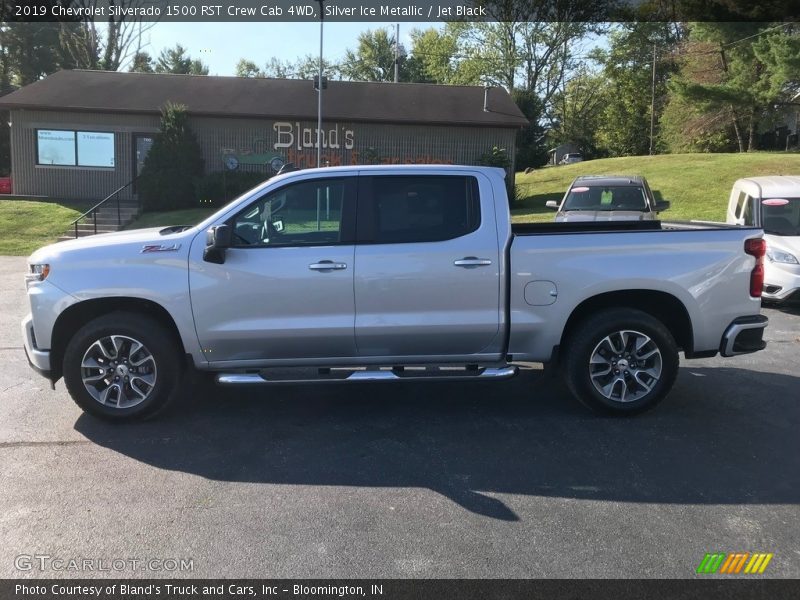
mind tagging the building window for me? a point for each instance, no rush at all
(75, 148)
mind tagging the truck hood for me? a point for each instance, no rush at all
(572, 216)
(787, 243)
(144, 237)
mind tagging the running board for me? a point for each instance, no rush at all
(374, 375)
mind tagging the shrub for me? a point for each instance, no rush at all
(216, 188)
(173, 164)
(496, 157)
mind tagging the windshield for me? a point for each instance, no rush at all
(781, 216)
(606, 198)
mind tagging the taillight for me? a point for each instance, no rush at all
(756, 248)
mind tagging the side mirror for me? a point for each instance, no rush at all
(218, 239)
(552, 204)
(663, 205)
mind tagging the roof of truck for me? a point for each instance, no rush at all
(773, 186)
(606, 180)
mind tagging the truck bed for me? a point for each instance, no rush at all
(522, 229)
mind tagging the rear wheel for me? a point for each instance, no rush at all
(122, 366)
(620, 361)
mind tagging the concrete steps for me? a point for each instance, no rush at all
(109, 219)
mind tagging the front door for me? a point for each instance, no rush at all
(285, 290)
(427, 279)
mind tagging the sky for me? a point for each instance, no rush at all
(221, 45)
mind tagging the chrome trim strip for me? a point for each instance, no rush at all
(256, 379)
(729, 338)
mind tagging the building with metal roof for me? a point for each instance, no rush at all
(83, 134)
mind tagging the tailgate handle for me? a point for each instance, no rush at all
(327, 265)
(472, 261)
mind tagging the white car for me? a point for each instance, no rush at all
(772, 203)
(571, 157)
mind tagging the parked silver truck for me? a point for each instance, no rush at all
(388, 273)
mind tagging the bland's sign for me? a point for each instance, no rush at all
(291, 135)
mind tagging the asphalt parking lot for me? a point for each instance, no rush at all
(509, 479)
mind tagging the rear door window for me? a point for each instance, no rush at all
(417, 208)
(748, 213)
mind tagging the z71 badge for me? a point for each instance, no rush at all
(160, 248)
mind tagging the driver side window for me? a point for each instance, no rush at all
(299, 214)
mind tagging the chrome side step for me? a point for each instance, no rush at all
(374, 375)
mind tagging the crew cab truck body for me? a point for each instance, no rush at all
(773, 204)
(366, 273)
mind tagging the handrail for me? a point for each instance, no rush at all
(94, 209)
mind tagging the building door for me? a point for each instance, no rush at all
(142, 142)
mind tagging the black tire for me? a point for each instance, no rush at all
(628, 378)
(166, 367)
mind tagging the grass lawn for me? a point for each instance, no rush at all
(26, 225)
(697, 185)
(189, 216)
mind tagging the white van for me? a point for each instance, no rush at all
(772, 203)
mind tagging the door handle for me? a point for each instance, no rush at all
(327, 265)
(472, 261)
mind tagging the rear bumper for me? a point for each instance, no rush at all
(744, 335)
(39, 360)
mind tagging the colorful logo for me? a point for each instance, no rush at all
(734, 563)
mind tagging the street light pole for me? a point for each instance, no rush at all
(653, 104)
(319, 86)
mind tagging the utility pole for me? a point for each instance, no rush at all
(397, 54)
(653, 105)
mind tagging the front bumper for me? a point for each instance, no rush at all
(38, 359)
(744, 335)
(781, 282)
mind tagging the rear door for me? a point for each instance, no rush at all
(428, 269)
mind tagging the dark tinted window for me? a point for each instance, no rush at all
(423, 208)
(781, 216)
(606, 198)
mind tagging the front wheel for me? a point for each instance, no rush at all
(620, 361)
(122, 366)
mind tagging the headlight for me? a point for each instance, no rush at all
(782, 257)
(37, 273)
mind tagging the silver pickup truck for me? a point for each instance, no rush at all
(388, 274)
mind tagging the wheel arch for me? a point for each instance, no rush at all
(663, 306)
(77, 315)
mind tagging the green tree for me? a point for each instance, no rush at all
(434, 58)
(247, 68)
(304, 67)
(627, 66)
(577, 111)
(173, 165)
(177, 60)
(740, 70)
(373, 58)
(142, 63)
